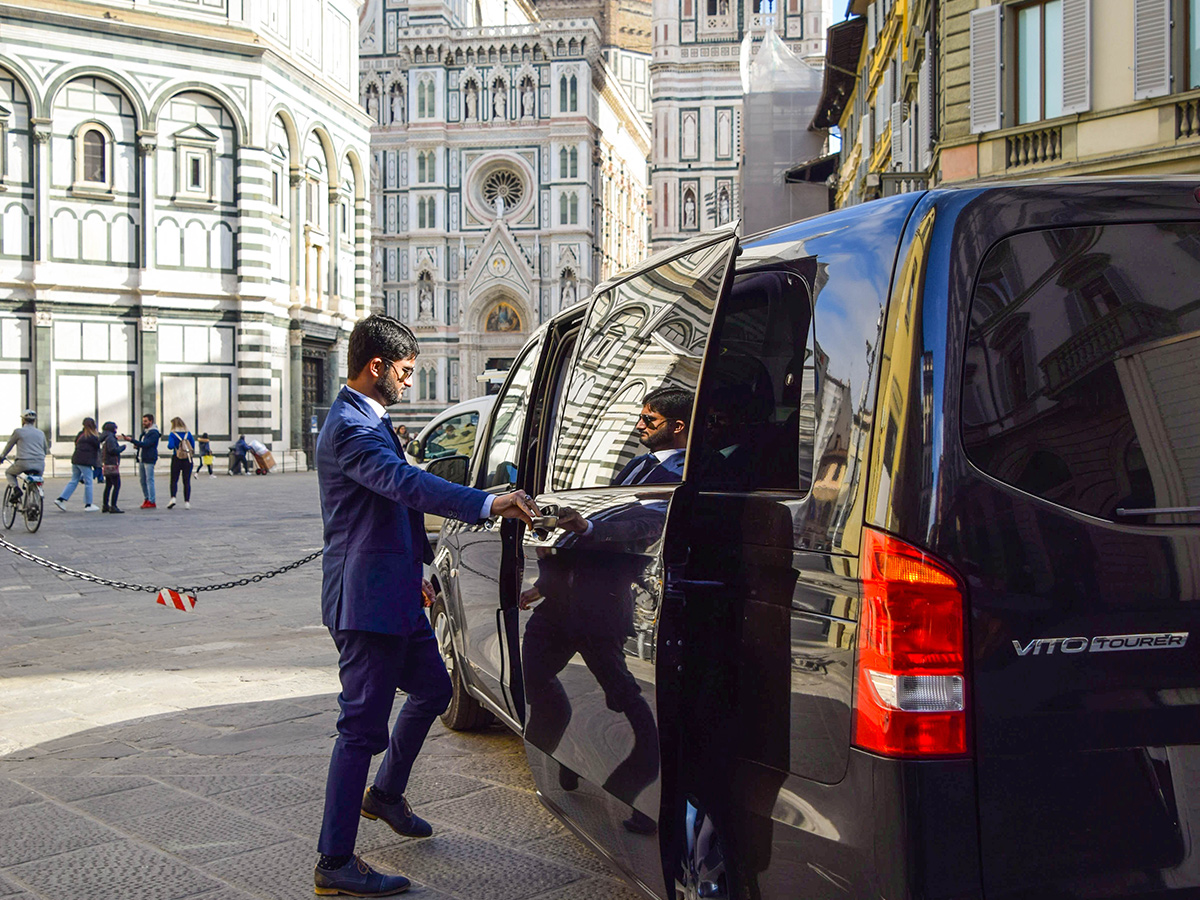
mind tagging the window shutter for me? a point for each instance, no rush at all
(868, 134)
(1151, 48)
(925, 112)
(897, 135)
(871, 26)
(1077, 56)
(985, 69)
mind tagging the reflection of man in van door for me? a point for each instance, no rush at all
(662, 428)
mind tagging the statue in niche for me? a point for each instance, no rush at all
(499, 207)
(528, 100)
(689, 210)
(372, 104)
(471, 101)
(425, 299)
(568, 293)
(398, 111)
(377, 267)
(723, 207)
(499, 101)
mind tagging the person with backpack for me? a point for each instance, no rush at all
(110, 462)
(182, 445)
(83, 461)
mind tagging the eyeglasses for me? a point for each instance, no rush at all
(651, 421)
(406, 372)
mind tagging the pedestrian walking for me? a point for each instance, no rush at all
(29, 454)
(372, 595)
(204, 451)
(83, 464)
(146, 457)
(110, 462)
(237, 454)
(182, 445)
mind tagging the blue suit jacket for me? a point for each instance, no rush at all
(372, 502)
(669, 472)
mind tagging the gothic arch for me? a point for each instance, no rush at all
(199, 87)
(476, 319)
(326, 142)
(293, 134)
(360, 186)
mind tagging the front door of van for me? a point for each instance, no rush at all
(592, 587)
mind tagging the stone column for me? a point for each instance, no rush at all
(363, 286)
(331, 287)
(296, 387)
(147, 143)
(298, 255)
(148, 366)
(43, 343)
(41, 189)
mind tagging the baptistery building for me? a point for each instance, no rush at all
(184, 214)
(508, 170)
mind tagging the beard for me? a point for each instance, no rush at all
(389, 388)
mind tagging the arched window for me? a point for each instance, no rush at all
(427, 212)
(568, 93)
(563, 163)
(574, 208)
(426, 99)
(562, 209)
(426, 167)
(574, 162)
(423, 385)
(93, 156)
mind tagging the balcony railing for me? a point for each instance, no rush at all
(1034, 147)
(893, 183)
(1187, 118)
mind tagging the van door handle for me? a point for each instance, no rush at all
(697, 583)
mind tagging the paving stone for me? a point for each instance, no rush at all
(124, 806)
(209, 785)
(469, 866)
(260, 714)
(279, 872)
(507, 815)
(567, 849)
(432, 787)
(38, 830)
(77, 788)
(202, 832)
(272, 795)
(267, 736)
(13, 794)
(113, 870)
(595, 889)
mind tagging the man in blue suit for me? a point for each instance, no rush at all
(662, 428)
(372, 594)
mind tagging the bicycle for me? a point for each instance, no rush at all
(29, 506)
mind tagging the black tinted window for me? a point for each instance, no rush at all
(759, 392)
(1082, 381)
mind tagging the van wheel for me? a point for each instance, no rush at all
(465, 713)
(702, 866)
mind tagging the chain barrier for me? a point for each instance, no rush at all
(148, 588)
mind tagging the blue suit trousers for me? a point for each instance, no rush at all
(371, 668)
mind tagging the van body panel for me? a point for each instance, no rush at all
(1086, 760)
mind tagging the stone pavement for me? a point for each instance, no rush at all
(149, 753)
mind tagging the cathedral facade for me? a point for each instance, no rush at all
(508, 171)
(184, 214)
(696, 95)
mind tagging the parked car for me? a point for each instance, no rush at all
(916, 620)
(454, 432)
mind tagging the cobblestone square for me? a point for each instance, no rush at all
(149, 753)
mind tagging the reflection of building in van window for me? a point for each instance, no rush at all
(632, 343)
(1081, 366)
(454, 437)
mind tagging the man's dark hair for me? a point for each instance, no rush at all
(671, 403)
(380, 336)
(149, 416)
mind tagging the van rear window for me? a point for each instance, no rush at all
(1082, 374)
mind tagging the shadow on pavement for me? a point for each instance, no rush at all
(225, 802)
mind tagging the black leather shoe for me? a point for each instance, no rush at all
(398, 815)
(357, 879)
(640, 823)
(568, 779)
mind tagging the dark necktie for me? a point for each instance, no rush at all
(641, 470)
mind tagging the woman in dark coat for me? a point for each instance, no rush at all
(83, 461)
(111, 460)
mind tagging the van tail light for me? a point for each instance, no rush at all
(910, 676)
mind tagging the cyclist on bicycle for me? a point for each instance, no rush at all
(30, 456)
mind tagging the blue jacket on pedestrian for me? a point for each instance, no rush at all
(148, 445)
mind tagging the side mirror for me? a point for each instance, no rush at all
(453, 468)
(414, 450)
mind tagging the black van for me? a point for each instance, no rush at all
(915, 620)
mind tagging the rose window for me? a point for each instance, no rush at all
(503, 185)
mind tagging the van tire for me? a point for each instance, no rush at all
(706, 867)
(464, 713)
